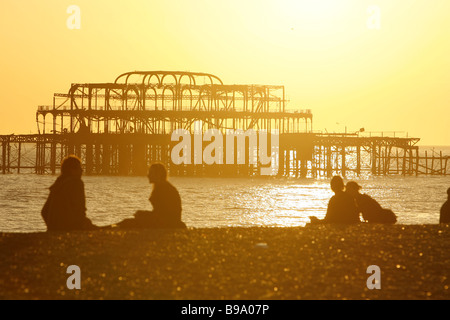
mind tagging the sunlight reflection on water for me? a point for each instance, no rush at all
(220, 202)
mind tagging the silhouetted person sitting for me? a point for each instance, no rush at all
(65, 208)
(165, 200)
(341, 207)
(445, 210)
(370, 209)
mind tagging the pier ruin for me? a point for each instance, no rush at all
(120, 128)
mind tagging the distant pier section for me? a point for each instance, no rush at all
(120, 128)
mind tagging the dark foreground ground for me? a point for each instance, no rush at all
(316, 262)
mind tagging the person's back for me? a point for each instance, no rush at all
(445, 210)
(65, 208)
(341, 207)
(368, 206)
(370, 209)
(166, 203)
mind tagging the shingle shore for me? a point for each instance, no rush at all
(313, 262)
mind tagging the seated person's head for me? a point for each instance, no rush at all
(352, 187)
(157, 173)
(337, 184)
(71, 166)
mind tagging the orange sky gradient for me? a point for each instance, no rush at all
(396, 78)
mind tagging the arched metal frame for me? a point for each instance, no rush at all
(157, 102)
(121, 127)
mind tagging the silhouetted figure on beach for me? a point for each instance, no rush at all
(445, 210)
(166, 203)
(370, 209)
(341, 207)
(65, 208)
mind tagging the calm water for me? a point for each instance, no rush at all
(214, 202)
(219, 202)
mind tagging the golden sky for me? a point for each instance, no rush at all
(395, 78)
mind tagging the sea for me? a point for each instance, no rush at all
(222, 202)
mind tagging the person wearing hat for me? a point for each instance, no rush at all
(445, 210)
(370, 209)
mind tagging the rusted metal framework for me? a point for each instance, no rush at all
(121, 127)
(301, 155)
(158, 102)
(124, 126)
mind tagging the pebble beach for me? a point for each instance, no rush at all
(258, 263)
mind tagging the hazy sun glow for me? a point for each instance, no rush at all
(321, 50)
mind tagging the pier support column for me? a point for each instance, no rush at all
(303, 168)
(106, 159)
(53, 157)
(288, 162)
(4, 144)
(124, 160)
(329, 165)
(281, 163)
(358, 161)
(97, 159)
(374, 159)
(139, 164)
(19, 156)
(89, 158)
(344, 169)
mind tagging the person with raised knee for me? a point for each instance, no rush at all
(165, 200)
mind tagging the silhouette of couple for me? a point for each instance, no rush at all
(65, 208)
(347, 204)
